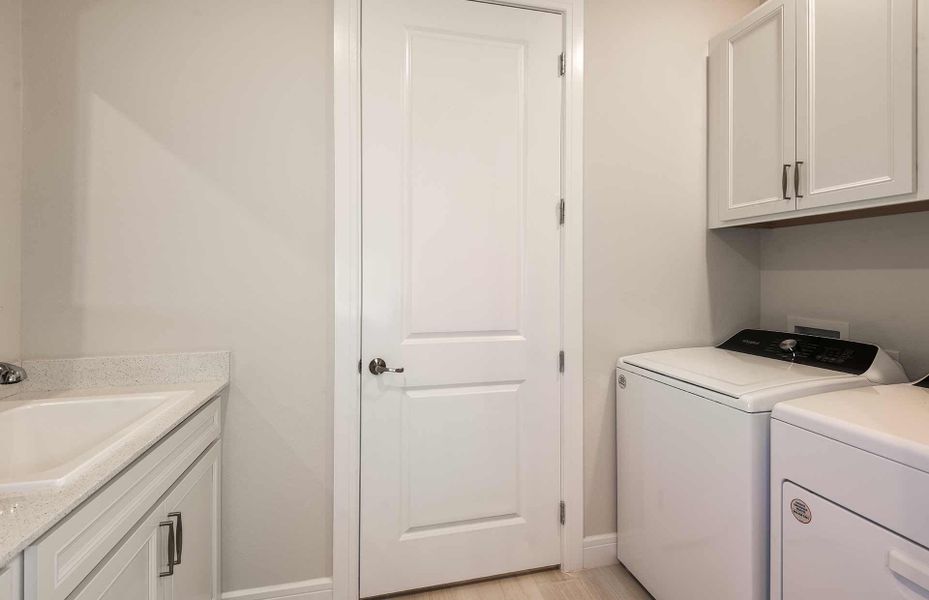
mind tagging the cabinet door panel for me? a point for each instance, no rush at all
(196, 500)
(131, 573)
(11, 580)
(855, 100)
(752, 79)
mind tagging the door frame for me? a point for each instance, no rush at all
(346, 412)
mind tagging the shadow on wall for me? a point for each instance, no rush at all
(732, 257)
(725, 299)
(177, 186)
(873, 273)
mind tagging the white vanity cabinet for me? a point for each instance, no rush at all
(11, 580)
(152, 533)
(173, 553)
(132, 571)
(194, 507)
(812, 110)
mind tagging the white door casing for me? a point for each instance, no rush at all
(461, 147)
(754, 72)
(856, 90)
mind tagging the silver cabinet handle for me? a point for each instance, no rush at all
(171, 562)
(784, 181)
(797, 180)
(180, 534)
(379, 365)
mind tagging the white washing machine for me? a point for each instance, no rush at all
(692, 454)
(850, 495)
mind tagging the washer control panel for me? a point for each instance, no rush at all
(825, 353)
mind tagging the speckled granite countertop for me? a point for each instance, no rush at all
(26, 516)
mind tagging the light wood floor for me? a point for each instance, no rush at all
(605, 583)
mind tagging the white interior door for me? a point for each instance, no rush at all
(856, 90)
(753, 74)
(461, 153)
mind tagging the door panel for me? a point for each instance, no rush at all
(465, 201)
(753, 78)
(855, 100)
(131, 573)
(461, 120)
(196, 500)
(830, 552)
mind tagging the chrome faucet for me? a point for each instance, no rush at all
(11, 374)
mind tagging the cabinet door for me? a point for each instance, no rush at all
(194, 507)
(855, 100)
(132, 572)
(11, 580)
(752, 123)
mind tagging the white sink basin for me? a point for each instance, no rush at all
(44, 443)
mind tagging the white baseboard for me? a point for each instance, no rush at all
(600, 550)
(311, 589)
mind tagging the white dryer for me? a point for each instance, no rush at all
(850, 495)
(692, 454)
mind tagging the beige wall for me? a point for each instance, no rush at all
(177, 198)
(10, 178)
(654, 276)
(177, 185)
(873, 273)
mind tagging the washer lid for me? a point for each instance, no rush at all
(888, 420)
(732, 373)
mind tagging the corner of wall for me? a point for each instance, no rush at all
(11, 149)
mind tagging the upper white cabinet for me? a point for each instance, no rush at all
(754, 66)
(855, 100)
(812, 110)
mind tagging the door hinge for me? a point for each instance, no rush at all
(359, 366)
(561, 512)
(561, 209)
(562, 65)
(561, 362)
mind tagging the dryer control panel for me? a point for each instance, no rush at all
(825, 353)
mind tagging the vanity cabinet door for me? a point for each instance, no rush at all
(132, 572)
(11, 580)
(194, 507)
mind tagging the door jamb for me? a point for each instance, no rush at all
(347, 294)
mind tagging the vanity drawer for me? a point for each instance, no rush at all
(61, 559)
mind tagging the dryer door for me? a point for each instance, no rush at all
(830, 552)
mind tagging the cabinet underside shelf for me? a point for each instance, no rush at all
(863, 213)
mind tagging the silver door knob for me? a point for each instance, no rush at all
(379, 365)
